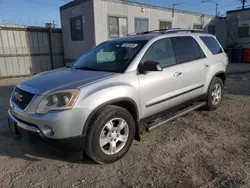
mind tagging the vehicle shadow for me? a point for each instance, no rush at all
(30, 146)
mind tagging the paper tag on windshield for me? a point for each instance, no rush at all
(129, 45)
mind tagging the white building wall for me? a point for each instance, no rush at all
(103, 8)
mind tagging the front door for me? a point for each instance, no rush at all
(141, 25)
(160, 90)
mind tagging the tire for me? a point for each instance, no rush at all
(104, 128)
(210, 100)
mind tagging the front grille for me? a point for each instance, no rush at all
(22, 98)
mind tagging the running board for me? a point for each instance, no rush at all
(183, 112)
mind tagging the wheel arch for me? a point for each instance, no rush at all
(221, 75)
(126, 103)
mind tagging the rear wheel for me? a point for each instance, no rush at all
(110, 134)
(215, 94)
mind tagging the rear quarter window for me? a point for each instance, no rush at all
(212, 45)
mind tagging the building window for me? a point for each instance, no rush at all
(117, 27)
(243, 31)
(211, 29)
(197, 26)
(76, 29)
(141, 25)
(165, 25)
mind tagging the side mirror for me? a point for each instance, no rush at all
(149, 66)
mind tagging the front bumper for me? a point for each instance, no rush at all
(70, 144)
(23, 125)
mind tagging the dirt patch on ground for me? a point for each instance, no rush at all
(201, 149)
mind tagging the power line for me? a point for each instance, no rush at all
(220, 7)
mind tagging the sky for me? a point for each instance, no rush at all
(39, 12)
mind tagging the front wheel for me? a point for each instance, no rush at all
(110, 134)
(215, 94)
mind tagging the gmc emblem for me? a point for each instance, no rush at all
(18, 97)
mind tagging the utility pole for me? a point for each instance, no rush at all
(216, 13)
(54, 24)
(243, 3)
(216, 4)
(173, 9)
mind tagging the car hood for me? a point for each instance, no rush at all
(64, 78)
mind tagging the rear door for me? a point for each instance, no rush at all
(194, 64)
(160, 90)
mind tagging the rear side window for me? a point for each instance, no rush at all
(212, 45)
(187, 49)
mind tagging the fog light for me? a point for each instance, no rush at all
(47, 130)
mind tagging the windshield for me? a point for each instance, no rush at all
(111, 56)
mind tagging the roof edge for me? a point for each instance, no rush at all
(72, 4)
(132, 3)
(238, 10)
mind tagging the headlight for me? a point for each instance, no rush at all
(60, 100)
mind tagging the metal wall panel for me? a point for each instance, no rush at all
(26, 51)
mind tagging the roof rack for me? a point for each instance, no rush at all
(184, 30)
(172, 30)
(148, 32)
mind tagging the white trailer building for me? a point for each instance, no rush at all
(86, 23)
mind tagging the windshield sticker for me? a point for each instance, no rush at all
(129, 45)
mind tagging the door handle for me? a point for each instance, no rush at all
(177, 74)
(206, 65)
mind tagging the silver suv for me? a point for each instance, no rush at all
(120, 88)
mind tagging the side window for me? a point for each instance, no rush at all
(212, 45)
(187, 49)
(76, 29)
(161, 51)
(165, 25)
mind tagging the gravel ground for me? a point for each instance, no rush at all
(201, 149)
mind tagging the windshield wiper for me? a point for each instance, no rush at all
(87, 68)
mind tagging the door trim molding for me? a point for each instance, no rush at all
(174, 96)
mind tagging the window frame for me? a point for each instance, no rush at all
(241, 36)
(116, 16)
(205, 55)
(168, 38)
(166, 21)
(71, 34)
(141, 18)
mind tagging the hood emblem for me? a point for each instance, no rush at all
(18, 97)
